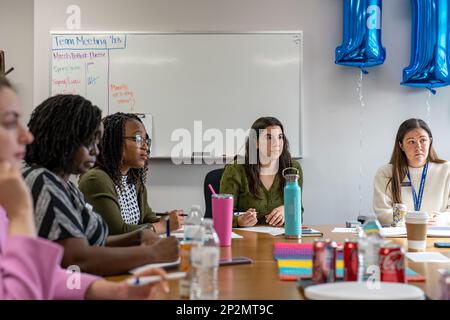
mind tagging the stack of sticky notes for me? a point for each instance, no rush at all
(295, 261)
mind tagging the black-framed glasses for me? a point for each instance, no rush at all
(140, 141)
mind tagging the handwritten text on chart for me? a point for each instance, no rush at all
(122, 94)
(81, 55)
(66, 82)
(94, 41)
(66, 69)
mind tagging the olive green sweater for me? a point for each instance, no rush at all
(100, 191)
(234, 181)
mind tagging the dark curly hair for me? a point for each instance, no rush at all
(60, 125)
(111, 149)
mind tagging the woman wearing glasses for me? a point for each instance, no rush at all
(67, 130)
(415, 176)
(115, 187)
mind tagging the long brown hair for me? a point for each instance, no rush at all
(253, 168)
(399, 161)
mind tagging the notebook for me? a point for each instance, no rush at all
(294, 261)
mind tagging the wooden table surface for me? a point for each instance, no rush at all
(259, 280)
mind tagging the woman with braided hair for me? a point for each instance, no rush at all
(29, 265)
(67, 130)
(115, 187)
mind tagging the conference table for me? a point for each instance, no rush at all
(259, 280)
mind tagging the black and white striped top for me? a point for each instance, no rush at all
(61, 212)
(128, 201)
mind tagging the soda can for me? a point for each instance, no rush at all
(392, 263)
(350, 260)
(399, 213)
(324, 261)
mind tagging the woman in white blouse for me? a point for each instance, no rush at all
(415, 176)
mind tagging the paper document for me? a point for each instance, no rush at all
(344, 230)
(274, 231)
(435, 231)
(155, 265)
(180, 235)
(393, 232)
(427, 257)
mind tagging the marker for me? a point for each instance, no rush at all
(142, 281)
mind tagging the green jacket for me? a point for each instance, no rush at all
(99, 190)
(234, 181)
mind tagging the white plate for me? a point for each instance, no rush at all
(362, 291)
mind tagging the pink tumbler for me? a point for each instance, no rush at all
(222, 213)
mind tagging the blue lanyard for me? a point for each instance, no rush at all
(418, 199)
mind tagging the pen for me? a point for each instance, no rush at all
(238, 214)
(163, 214)
(167, 226)
(141, 281)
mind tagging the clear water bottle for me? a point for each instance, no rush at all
(205, 266)
(193, 237)
(292, 205)
(192, 224)
(369, 243)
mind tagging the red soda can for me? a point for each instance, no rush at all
(350, 260)
(392, 263)
(324, 261)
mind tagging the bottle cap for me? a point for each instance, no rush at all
(291, 177)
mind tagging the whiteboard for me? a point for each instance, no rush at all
(201, 84)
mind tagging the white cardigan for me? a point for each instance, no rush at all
(436, 194)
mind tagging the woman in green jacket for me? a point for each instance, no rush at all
(115, 187)
(257, 184)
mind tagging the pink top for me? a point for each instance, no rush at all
(30, 269)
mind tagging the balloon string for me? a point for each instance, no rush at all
(428, 107)
(359, 90)
(433, 91)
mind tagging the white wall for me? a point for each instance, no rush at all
(331, 105)
(16, 39)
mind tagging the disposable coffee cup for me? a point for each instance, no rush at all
(416, 230)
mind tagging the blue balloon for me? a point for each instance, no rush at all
(430, 50)
(361, 46)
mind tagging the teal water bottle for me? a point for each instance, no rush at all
(292, 205)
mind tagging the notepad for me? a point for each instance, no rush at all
(275, 231)
(344, 230)
(167, 265)
(436, 231)
(180, 235)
